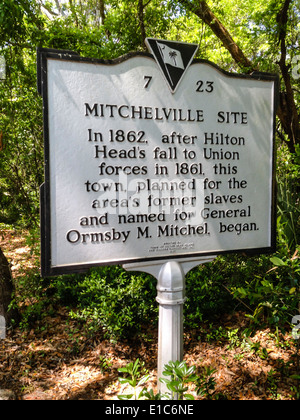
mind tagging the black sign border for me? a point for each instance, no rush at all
(47, 270)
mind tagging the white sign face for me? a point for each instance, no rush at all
(135, 172)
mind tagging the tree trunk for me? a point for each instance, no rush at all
(101, 6)
(6, 291)
(287, 112)
(141, 20)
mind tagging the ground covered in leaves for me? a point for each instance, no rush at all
(58, 360)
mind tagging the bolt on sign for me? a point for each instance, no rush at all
(154, 157)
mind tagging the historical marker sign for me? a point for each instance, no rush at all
(141, 167)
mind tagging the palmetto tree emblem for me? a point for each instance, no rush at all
(173, 55)
(170, 56)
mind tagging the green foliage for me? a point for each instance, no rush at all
(206, 383)
(288, 176)
(114, 300)
(180, 376)
(105, 365)
(16, 20)
(179, 379)
(21, 154)
(206, 296)
(210, 287)
(274, 296)
(134, 378)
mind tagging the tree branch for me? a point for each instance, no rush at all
(46, 10)
(103, 16)
(203, 11)
(141, 7)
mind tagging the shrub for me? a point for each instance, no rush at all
(117, 301)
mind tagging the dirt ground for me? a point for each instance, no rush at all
(57, 360)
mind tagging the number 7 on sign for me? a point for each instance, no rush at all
(148, 80)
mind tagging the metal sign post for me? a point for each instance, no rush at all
(170, 297)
